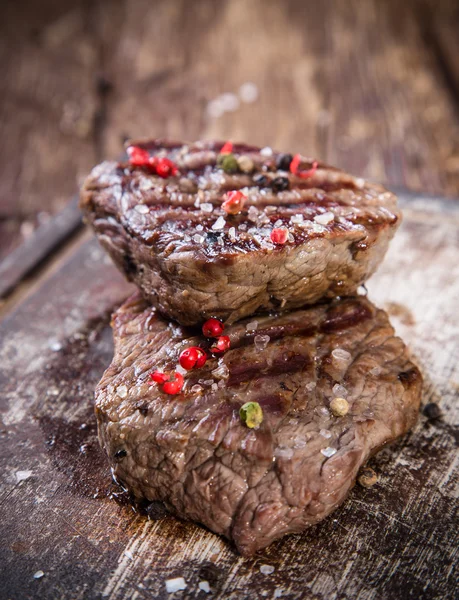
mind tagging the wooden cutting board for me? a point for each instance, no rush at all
(61, 514)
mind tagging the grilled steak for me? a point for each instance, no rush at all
(298, 231)
(193, 451)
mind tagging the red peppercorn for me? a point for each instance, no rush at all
(193, 357)
(279, 236)
(212, 328)
(227, 148)
(165, 168)
(294, 168)
(158, 377)
(223, 343)
(234, 202)
(173, 386)
(138, 157)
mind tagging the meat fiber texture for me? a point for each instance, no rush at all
(193, 261)
(193, 452)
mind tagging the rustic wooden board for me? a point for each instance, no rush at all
(398, 540)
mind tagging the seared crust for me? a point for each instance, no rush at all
(161, 234)
(192, 452)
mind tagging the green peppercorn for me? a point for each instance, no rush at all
(251, 414)
(228, 163)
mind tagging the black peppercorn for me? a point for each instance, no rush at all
(432, 411)
(261, 180)
(280, 183)
(283, 162)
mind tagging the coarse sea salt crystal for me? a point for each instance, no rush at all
(221, 372)
(328, 451)
(175, 585)
(261, 341)
(219, 224)
(199, 227)
(278, 592)
(267, 569)
(325, 433)
(142, 209)
(199, 239)
(204, 586)
(252, 326)
(22, 475)
(196, 389)
(232, 233)
(296, 219)
(341, 354)
(206, 207)
(278, 223)
(55, 346)
(266, 151)
(38, 574)
(310, 386)
(325, 218)
(339, 390)
(122, 391)
(214, 387)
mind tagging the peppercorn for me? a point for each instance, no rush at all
(193, 357)
(251, 414)
(212, 328)
(120, 454)
(234, 202)
(261, 180)
(245, 164)
(339, 407)
(432, 411)
(283, 162)
(279, 235)
(279, 184)
(223, 343)
(368, 478)
(228, 163)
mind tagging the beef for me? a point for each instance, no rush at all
(192, 260)
(193, 452)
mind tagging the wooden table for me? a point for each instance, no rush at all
(371, 86)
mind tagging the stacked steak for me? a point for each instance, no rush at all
(250, 382)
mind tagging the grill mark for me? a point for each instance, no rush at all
(283, 362)
(345, 315)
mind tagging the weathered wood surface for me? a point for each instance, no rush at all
(398, 540)
(365, 84)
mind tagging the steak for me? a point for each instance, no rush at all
(193, 452)
(195, 251)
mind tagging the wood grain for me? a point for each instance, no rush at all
(360, 83)
(398, 540)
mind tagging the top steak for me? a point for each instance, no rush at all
(298, 232)
(193, 452)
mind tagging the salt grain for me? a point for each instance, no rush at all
(266, 151)
(214, 387)
(252, 213)
(296, 219)
(204, 586)
(339, 390)
(252, 326)
(142, 209)
(328, 451)
(196, 389)
(325, 218)
(219, 223)
(261, 341)
(340, 354)
(325, 433)
(175, 585)
(199, 227)
(38, 575)
(207, 207)
(221, 372)
(199, 239)
(278, 223)
(122, 391)
(248, 92)
(267, 569)
(232, 233)
(310, 386)
(55, 346)
(22, 475)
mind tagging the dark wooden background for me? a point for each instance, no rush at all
(370, 85)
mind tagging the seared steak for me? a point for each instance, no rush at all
(298, 232)
(193, 451)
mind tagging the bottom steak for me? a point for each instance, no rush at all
(193, 452)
